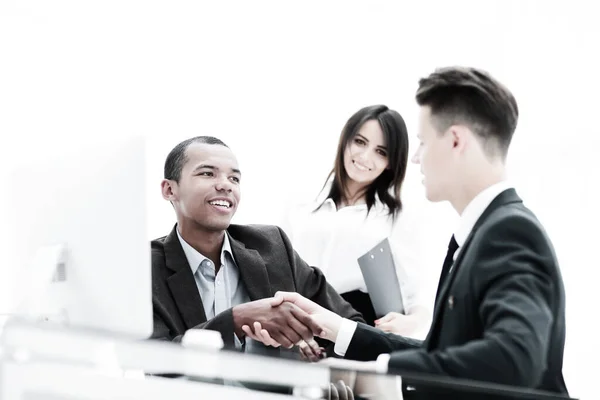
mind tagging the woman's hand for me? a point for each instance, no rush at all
(400, 324)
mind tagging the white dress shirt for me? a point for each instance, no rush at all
(473, 211)
(467, 221)
(333, 240)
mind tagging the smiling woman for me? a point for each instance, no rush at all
(357, 208)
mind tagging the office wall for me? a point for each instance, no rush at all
(277, 81)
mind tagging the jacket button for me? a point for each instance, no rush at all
(451, 302)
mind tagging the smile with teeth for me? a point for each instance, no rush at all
(220, 203)
(360, 166)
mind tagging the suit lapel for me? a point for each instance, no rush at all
(182, 283)
(253, 270)
(506, 197)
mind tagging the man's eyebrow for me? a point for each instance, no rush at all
(214, 168)
(202, 166)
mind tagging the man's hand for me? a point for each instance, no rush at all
(327, 320)
(339, 391)
(309, 350)
(286, 323)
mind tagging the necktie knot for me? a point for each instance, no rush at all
(452, 246)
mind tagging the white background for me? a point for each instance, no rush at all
(277, 80)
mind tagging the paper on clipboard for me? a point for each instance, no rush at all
(379, 272)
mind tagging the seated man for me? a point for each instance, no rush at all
(208, 274)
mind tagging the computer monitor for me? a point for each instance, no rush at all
(77, 242)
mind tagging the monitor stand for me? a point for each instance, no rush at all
(44, 289)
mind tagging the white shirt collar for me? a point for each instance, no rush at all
(475, 209)
(194, 257)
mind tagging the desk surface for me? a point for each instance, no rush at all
(96, 357)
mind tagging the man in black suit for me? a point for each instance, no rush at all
(500, 308)
(208, 274)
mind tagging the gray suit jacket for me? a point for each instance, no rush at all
(267, 263)
(500, 315)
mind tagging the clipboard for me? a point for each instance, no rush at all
(379, 272)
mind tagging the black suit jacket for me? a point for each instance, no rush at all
(500, 316)
(267, 263)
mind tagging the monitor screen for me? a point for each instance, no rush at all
(77, 249)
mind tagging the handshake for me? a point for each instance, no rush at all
(287, 319)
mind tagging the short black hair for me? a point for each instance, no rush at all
(471, 97)
(177, 157)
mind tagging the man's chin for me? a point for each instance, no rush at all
(219, 226)
(213, 224)
(432, 196)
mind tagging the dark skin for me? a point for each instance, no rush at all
(205, 199)
(287, 321)
(309, 349)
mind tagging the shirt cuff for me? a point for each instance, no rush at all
(344, 336)
(381, 365)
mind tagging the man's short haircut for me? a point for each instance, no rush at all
(471, 97)
(177, 157)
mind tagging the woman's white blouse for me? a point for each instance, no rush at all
(333, 240)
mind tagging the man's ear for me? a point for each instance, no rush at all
(459, 136)
(169, 189)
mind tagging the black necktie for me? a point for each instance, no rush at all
(452, 247)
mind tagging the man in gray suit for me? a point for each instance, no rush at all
(208, 274)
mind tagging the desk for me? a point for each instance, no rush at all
(39, 362)
(370, 385)
(88, 365)
(56, 381)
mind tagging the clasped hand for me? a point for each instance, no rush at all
(290, 319)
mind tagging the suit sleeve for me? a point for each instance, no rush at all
(513, 280)
(165, 326)
(161, 331)
(368, 343)
(222, 323)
